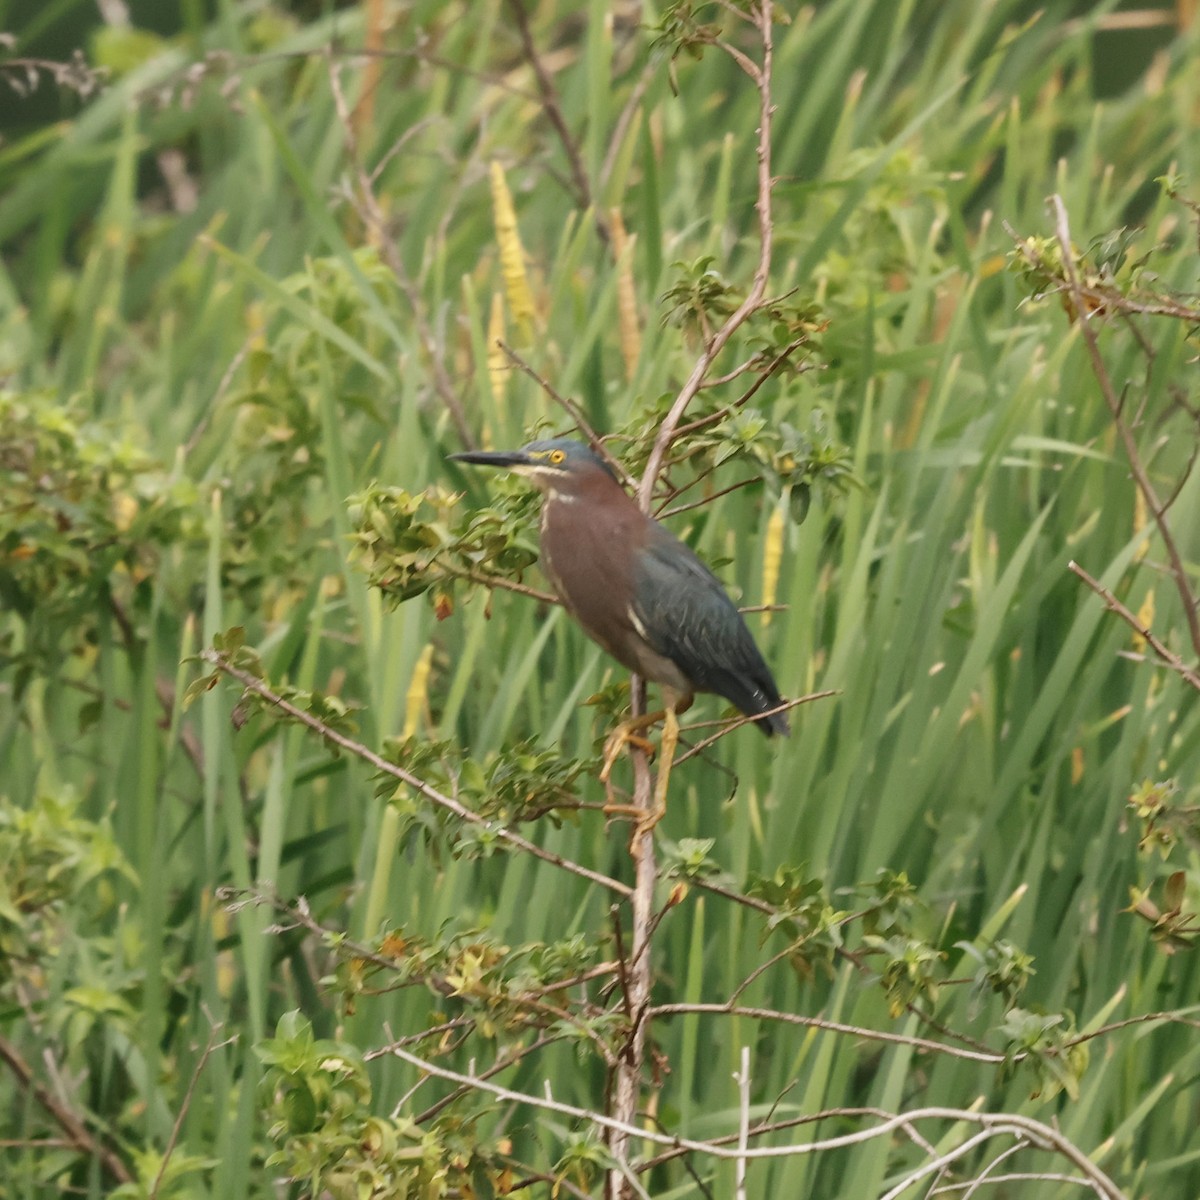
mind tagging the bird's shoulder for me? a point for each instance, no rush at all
(671, 561)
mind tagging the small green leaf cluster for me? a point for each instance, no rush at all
(1107, 263)
(1168, 824)
(701, 299)
(49, 856)
(804, 914)
(895, 929)
(1004, 969)
(514, 784)
(799, 460)
(494, 990)
(318, 1096)
(1166, 820)
(680, 31)
(1047, 1044)
(85, 519)
(408, 543)
(911, 970)
(333, 711)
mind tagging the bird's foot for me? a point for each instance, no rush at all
(628, 733)
(647, 822)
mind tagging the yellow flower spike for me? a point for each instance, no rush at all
(497, 361)
(512, 255)
(1139, 523)
(418, 691)
(772, 561)
(1145, 620)
(627, 315)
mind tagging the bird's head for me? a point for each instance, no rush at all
(557, 466)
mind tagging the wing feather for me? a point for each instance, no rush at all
(688, 617)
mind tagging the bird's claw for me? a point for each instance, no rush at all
(626, 734)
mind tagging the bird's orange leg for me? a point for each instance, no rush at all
(670, 740)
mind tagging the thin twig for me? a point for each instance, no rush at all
(982, 1177)
(721, 413)
(499, 581)
(406, 777)
(571, 409)
(1012, 1177)
(78, 1135)
(728, 725)
(1164, 652)
(941, 1162)
(510, 1059)
(211, 1046)
(763, 1128)
(367, 206)
(1137, 469)
(666, 432)
(554, 114)
(804, 1022)
(742, 1079)
(1043, 1136)
(704, 500)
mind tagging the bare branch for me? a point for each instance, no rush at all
(758, 288)
(554, 114)
(367, 206)
(729, 725)
(508, 585)
(1112, 399)
(742, 1078)
(78, 1135)
(1036, 1133)
(859, 1031)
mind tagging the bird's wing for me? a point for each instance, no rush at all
(685, 614)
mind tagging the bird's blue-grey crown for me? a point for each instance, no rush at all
(577, 454)
(545, 460)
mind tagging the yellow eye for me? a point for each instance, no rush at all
(556, 456)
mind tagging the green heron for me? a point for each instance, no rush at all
(639, 592)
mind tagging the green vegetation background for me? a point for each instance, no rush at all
(204, 355)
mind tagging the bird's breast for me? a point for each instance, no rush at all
(589, 555)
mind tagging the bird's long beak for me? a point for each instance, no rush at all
(507, 459)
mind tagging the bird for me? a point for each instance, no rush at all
(639, 592)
